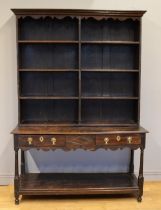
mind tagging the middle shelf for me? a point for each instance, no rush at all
(70, 84)
(81, 97)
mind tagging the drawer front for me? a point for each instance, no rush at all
(71, 142)
(41, 140)
(80, 141)
(122, 139)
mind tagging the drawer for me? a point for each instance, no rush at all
(41, 140)
(122, 139)
(80, 141)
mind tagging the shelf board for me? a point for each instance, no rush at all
(28, 123)
(83, 97)
(111, 70)
(50, 129)
(83, 70)
(110, 97)
(108, 124)
(110, 42)
(76, 42)
(48, 97)
(57, 70)
(77, 183)
(76, 124)
(48, 41)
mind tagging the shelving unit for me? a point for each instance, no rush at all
(79, 58)
(78, 78)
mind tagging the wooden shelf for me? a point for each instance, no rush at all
(109, 123)
(110, 97)
(82, 183)
(48, 41)
(83, 70)
(48, 97)
(76, 124)
(29, 123)
(83, 97)
(99, 130)
(76, 41)
(46, 70)
(111, 42)
(111, 70)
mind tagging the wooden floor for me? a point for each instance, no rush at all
(151, 201)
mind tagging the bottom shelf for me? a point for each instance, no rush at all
(77, 183)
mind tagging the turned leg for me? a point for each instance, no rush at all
(22, 162)
(16, 178)
(141, 178)
(131, 165)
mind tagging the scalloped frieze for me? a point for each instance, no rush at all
(84, 147)
(45, 16)
(119, 18)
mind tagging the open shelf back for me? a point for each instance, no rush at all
(79, 70)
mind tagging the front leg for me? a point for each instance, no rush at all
(22, 162)
(141, 177)
(17, 199)
(16, 178)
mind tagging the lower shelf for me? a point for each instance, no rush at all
(77, 183)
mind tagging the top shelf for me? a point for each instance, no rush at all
(48, 41)
(66, 29)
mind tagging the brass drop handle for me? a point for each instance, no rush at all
(29, 139)
(106, 140)
(41, 138)
(53, 140)
(118, 138)
(129, 139)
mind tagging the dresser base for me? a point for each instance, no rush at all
(46, 138)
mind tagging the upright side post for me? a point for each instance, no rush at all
(141, 177)
(16, 178)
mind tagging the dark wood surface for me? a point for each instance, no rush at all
(126, 13)
(135, 139)
(81, 55)
(85, 55)
(84, 183)
(79, 141)
(77, 130)
(79, 77)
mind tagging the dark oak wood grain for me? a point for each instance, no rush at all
(79, 75)
(117, 13)
(84, 183)
(77, 130)
(78, 54)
